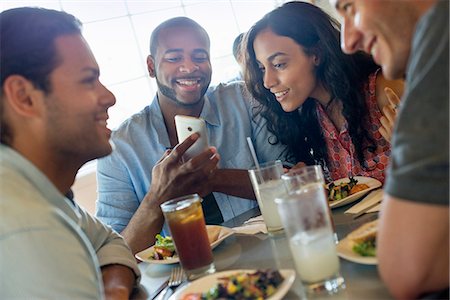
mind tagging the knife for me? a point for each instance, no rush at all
(355, 216)
(159, 290)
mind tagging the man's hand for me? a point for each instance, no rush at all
(118, 281)
(389, 114)
(171, 177)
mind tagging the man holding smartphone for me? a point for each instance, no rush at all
(179, 60)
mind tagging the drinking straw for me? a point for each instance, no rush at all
(252, 151)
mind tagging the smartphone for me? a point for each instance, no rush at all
(187, 125)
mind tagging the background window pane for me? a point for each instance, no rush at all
(248, 12)
(88, 11)
(143, 6)
(116, 50)
(143, 25)
(52, 4)
(134, 95)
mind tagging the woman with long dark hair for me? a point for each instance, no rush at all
(324, 105)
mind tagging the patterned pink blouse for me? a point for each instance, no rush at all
(343, 161)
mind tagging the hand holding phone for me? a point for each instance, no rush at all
(187, 125)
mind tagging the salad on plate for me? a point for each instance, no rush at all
(260, 284)
(164, 248)
(339, 191)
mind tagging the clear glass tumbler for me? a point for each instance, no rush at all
(296, 178)
(267, 184)
(305, 216)
(184, 217)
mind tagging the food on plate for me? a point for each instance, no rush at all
(164, 248)
(364, 239)
(213, 233)
(344, 189)
(358, 188)
(258, 285)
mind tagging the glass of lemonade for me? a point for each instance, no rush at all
(184, 217)
(267, 184)
(305, 215)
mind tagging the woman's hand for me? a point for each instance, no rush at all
(389, 114)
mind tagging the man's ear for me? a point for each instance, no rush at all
(22, 96)
(151, 66)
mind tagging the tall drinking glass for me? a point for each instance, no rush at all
(184, 217)
(267, 184)
(296, 178)
(305, 215)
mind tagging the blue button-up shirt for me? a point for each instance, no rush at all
(124, 177)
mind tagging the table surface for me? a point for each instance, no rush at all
(261, 251)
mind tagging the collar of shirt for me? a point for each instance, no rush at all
(208, 114)
(328, 128)
(9, 157)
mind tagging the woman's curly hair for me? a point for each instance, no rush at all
(343, 76)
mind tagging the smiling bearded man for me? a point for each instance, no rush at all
(180, 61)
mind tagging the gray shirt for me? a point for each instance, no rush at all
(49, 247)
(419, 169)
(124, 177)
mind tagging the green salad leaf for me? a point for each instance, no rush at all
(165, 242)
(365, 249)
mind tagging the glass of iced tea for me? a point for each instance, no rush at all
(184, 217)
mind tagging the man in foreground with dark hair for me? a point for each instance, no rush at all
(53, 112)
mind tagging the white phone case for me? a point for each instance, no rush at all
(186, 126)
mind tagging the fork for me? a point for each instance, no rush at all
(176, 278)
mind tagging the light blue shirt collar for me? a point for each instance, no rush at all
(208, 114)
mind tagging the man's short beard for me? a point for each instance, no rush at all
(170, 93)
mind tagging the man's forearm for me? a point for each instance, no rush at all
(413, 247)
(143, 226)
(118, 281)
(233, 182)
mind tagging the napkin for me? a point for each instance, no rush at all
(374, 197)
(257, 219)
(374, 209)
(252, 226)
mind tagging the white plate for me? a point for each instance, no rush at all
(147, 254)
(203, 284)
(344, 250)
(371, 182)
(224, 233)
